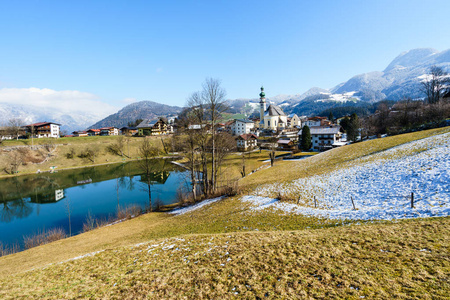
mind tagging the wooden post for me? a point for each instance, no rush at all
(412, 199)
(353, 203)
(315, 202)
(298, 200)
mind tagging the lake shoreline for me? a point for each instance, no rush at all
(3, 176)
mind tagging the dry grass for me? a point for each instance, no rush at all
(272, 255)
(75, 146)
(408, 260)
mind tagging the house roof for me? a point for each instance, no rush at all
(147, 123)
(284, 142)
(39, 124)
(107, 128)
(247, 136)
(244, 121)
(274, 110)
(317, 118)
(292, 115)
(94, 130)
(325, 129)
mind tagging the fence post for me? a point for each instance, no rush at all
(315, 202)
(351, 197)
(412, 199)
(298, 200)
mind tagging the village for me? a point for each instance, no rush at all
(273, 128)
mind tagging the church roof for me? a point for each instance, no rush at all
(274, 110)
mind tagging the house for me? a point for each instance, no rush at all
(109, 131)
(154, 127)
(80, 133)
(43, 129)
(129, 130)
(317, 121)
(293, 121)
(272, 118)
(93, 132)
(246, 142)
(242, 126)
(324, 137)
(286, 144)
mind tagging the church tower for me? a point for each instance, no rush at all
(262, 105)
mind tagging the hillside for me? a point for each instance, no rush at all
(234, 247)
(137, 110)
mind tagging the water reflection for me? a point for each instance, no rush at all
(35, 202)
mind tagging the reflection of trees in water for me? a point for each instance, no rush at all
(18, 208)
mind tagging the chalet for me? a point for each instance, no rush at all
(325, 137)
(109, 131)
(93, 132)
(129, 130)
(242, 127)
(80, 133)
(246, 142)
(43, 129)
(286, 144)
(154, 127)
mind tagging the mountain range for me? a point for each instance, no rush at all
(137, 110)
(400, 79)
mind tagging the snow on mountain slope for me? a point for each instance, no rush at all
(380, 185)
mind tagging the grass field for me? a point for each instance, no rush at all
(227, 250)
(99, 144)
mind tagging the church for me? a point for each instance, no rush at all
(272, 118)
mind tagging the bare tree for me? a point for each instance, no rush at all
(118, 146)
(214, 97)
(273, 150)
(196, 127)
(436, 84)
(225, 143)
(146, 152)
(15, 126)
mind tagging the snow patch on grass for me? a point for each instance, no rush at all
(380, 185)
(191, 208)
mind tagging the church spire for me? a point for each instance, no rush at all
(262, 105)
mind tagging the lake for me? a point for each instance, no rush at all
(32, 203)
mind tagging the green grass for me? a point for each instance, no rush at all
(272, 254)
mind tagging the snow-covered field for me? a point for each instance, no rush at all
(380, 185)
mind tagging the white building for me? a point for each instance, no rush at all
(43, 129)
(272, 118)
(325, 137)
(242, 127)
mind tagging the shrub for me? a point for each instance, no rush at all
(43, 237)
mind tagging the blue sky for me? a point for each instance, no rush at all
(122, 51)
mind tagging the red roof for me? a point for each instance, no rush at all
(94, 130)
(247, 136)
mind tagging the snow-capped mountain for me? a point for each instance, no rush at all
(400, 79)
(29, 114)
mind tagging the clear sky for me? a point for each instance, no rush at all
(123, 51)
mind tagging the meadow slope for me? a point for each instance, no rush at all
(229, 249)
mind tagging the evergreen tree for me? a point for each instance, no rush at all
(306, 138)
(331, 117)
(353, 128)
